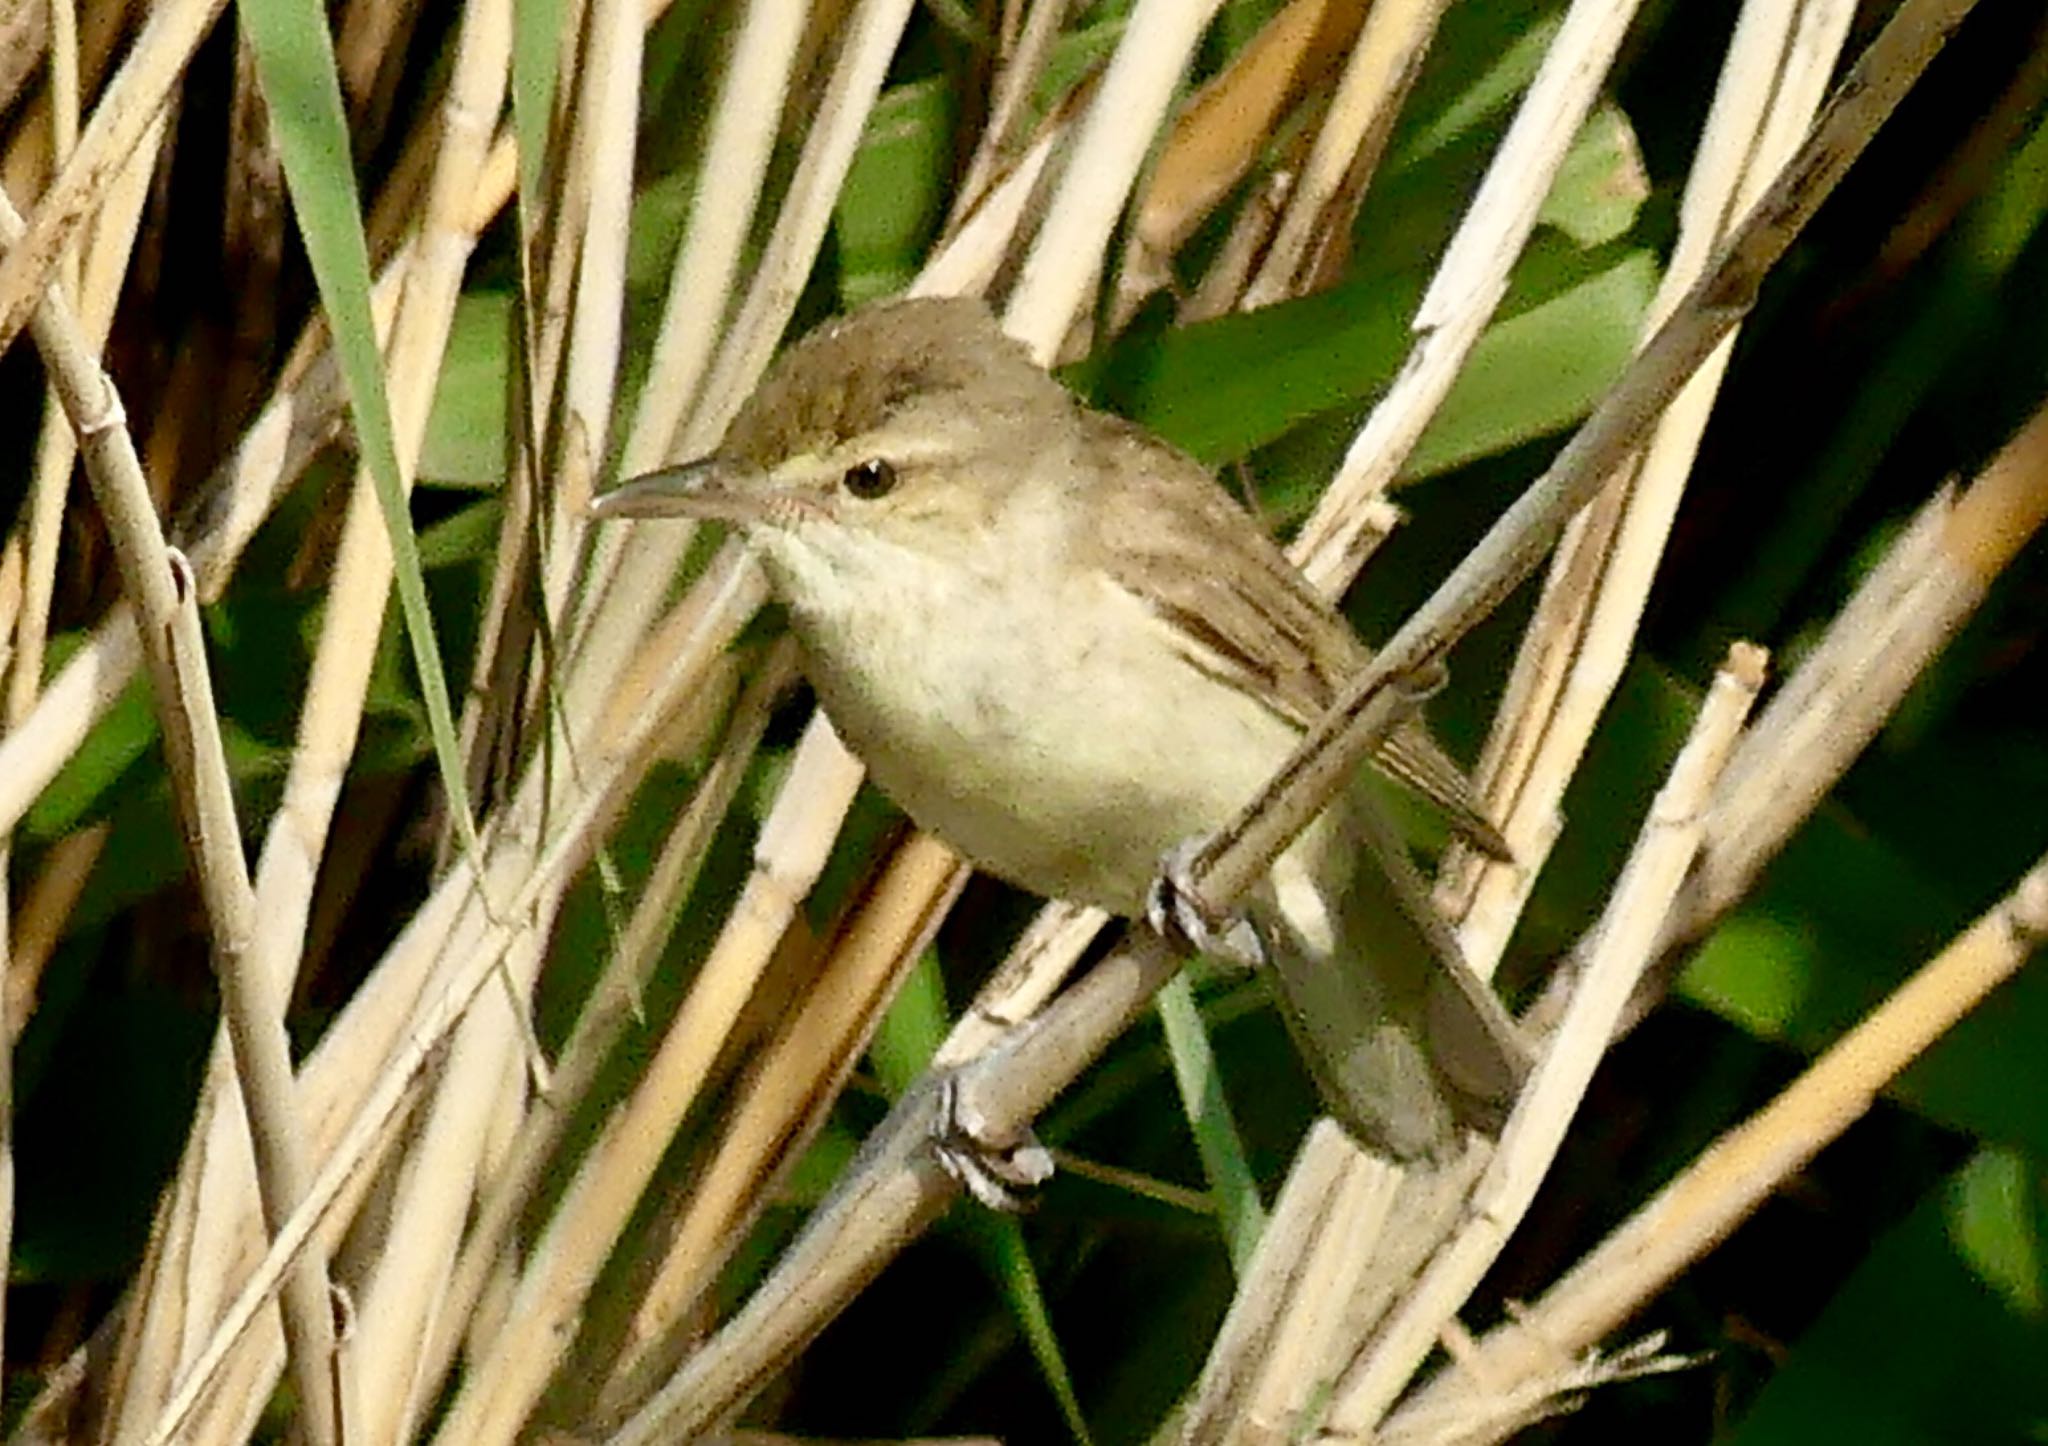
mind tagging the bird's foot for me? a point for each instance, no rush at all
(1176, 910)
(1001, 1175)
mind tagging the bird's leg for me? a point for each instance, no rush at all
(1001, 1174)
(1178, 913)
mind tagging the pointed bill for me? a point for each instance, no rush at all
(705, 490)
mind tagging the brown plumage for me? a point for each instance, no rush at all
(1059, 645)
(1258, 626)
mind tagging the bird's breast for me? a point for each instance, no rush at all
(1047, 730)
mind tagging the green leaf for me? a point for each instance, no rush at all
(1223, 388)
(1938, 1336)
(121, 737)
(1997, 1230)
(1601, 185)
(1490, 72)
(1001, 1241)
(469, 536)
(912, 1027)
(536, 50)
(1537, 373)
(1075, 56)
(296, 68)
(465, 437)
(1232, 1185)
(895, 192)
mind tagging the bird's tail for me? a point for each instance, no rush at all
(1408, 1045)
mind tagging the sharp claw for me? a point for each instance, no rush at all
(1175, 910)
(1001, 1176)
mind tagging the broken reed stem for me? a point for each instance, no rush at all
(895, 1187)
(1621, 945)
(1244, 849)
(1745, 1166)
(1583, 630)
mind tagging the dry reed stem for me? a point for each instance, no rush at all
(1096, 184)
(40, 918)
(26, 624)
(275, 449)
(1221, 132)
(499, 1391)
(1911, 602)
(277, 445)
(753, 87)
(367, 1066)
(431, 1187)
(895, 1188)
(450, 930)
(1029, 975)
(31, 937)
(360, 579)
(614, 616)
(106, 246)
(1330, 1210)
(786, 1098)
(28, 162)
(367, 36)
(1476, 1420)
(1244, 849)
(24, 37)
(436, 1182)
(252, 234)
(1470, 280)
(967, 262)
(1021, 69)
(1583, 630)
(606, 121)
(741, 141)
(873, 31)
(1903, 613)
(1741, 1169)
(304, 412)
(1382, 66)
(56, 448)
(1230, 270)
(160, 585)
(1966, 172)
(127, 108)
(1329, 1303)
(885, 1198)
(293, 426)
(575, 219)
(351, 624)
(1620, 946)
(614, 1005)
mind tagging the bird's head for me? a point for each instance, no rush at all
(904, 430)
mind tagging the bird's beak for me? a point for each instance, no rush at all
(703, 489)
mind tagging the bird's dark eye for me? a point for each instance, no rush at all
(870, 479)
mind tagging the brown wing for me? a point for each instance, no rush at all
(1252, 620)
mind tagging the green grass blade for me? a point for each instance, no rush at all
(1231, 1185)
(1018, 1280)
(296, 68)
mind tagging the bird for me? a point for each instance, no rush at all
(1060, 645)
